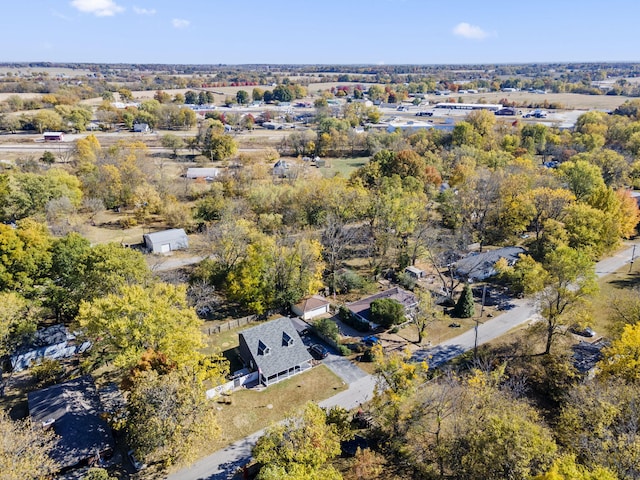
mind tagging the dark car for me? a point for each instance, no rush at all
(318, 351)
(583, 332)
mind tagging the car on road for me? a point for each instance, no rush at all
(370, 340)
(583, 332)
(318, 351)
(424, 114)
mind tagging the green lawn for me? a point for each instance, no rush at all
(252, 410)
(343, 166)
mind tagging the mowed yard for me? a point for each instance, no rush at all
(251, 410)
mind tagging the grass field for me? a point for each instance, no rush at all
(252, 410)
(343, 166)
(568, 100)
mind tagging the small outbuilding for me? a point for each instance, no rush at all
(275, 350)
(311, 307)
(166, 241)
(414, 272)
(141, 127)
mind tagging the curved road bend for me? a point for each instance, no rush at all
(222, 464)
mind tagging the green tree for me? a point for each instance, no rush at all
(427, 313)
(110, 266)
(570, 279)
(598, 423)
(582, 177)
(124, 325)
(242, 97)
(281, 93)
(465, 307)
(25, 255)
(18, 322)
(98, 474)
(24, 450)
(218, 146)
(566, 468)
(526, 276)
(622, 358)
(169, 418)
(46, 120)
(276, 273)
(299, 448)
(48, 157)
(172, 142)
(387, 312)
(396, 380)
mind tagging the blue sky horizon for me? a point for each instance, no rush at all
(349, 32)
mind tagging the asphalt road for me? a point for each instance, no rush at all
(222, 464)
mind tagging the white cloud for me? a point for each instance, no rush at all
(180, 23)
(100, 8)
(144, 11)
(467, 30)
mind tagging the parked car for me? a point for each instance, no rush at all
(506, 111)
(424, 114)
(137, 464)
(583, 332)
(370, 340)
(318, 351)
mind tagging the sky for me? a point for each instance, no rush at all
(319, 31)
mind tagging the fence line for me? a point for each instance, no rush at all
(231, 324)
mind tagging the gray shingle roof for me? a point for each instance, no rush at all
(75, 408)
(283, 354)
(362, 307)
(479, 266)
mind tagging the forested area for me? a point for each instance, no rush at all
(268, 241)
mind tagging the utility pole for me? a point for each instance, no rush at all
(475, 341)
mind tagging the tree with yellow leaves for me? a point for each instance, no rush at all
(126, 324)
(299, 448)
(24, 450)
(622, 358)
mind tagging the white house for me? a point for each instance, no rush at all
(166, 241)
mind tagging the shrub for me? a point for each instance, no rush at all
(406, 281)
(344, 350)
(47, 371)
(328, 328)
(348, 281)
(387, 312)
(367, 356)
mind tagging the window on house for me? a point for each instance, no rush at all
(286, 339)
(263, 349)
